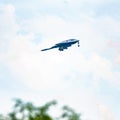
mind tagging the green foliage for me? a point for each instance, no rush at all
(70, 114)
(28, 111)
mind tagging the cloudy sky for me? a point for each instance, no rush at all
(86, 78)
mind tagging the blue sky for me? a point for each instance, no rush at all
(85, 78)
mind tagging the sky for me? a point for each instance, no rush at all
(85, 78)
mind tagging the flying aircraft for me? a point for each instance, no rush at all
(63, 45)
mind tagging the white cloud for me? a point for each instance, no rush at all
(105, 113)
(118, 59)
(8, 25)
(115, 45)
(110, 27)
(35, 68)
(7, 19)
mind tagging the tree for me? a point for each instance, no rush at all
(70, 114)
(28, 111)
(3, 117)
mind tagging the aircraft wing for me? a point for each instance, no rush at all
(49, 48)
(46, 49)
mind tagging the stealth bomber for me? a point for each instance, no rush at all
(63, 45)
